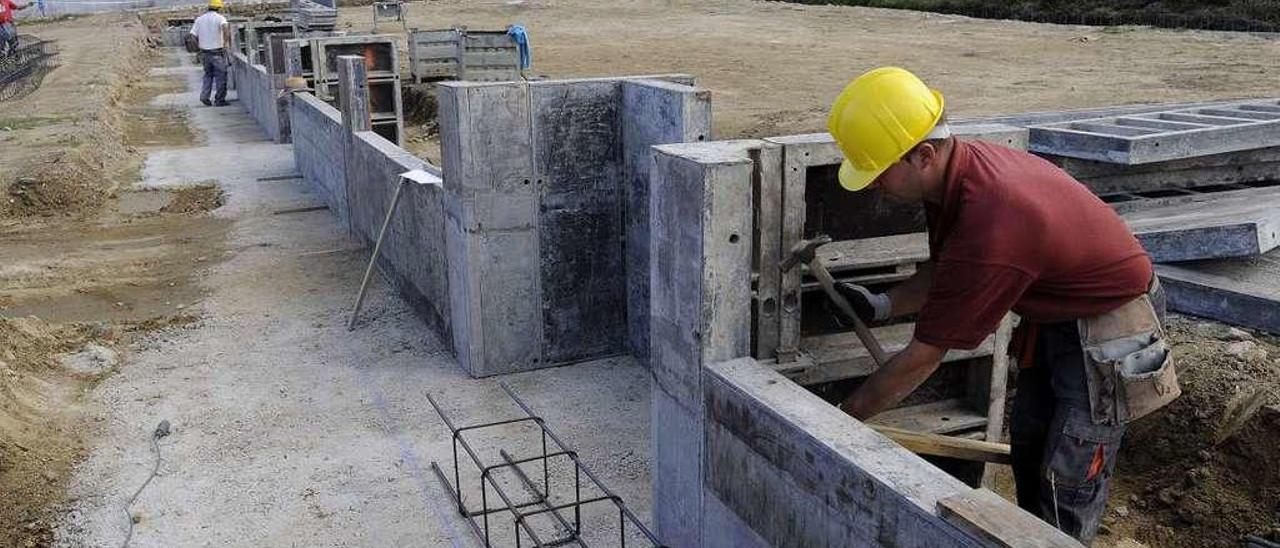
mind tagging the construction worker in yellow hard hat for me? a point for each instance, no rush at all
(1008, 231)
(213, 37)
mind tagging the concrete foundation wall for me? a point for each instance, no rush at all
(257, 93)
(319, 148)
(413, 254)
(798, 472)
(537, 179)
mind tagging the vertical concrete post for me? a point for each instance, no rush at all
(353, 93)
(700, 297)
(654, 112)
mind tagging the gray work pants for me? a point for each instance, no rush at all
(1062, 461)
(215, 72)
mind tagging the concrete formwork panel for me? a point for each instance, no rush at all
(796, 471)
(418, 272)
(552, 158)
(1244, 292)
(655, 112)
(700, 299)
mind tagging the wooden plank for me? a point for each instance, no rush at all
(841, 355)
(940, 417)
(875, 252)
(993, 521)
(946, 446)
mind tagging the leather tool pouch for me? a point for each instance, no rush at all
(1128, 363)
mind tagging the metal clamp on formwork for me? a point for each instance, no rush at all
(541, 503)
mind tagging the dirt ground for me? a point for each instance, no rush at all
(89, 264)
(101, 266)
(774, 67)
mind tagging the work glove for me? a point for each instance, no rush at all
(867, 305)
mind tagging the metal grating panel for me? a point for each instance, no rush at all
(1162, 136)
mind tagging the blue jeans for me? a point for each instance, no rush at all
(8, 39)
(215, 70)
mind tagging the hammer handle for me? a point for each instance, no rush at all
(864, 334)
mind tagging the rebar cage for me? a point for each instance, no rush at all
(539, 501)
(23, 69)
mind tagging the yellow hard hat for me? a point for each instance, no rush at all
(879, 117)
(215, 4)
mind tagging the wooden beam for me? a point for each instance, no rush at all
(993, 521)
(946, 446)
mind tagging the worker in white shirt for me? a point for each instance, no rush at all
(213, 35)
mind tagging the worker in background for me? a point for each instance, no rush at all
(8, 30)
(213, 35)
(1009, 231)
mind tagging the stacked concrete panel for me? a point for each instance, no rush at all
(537, 181)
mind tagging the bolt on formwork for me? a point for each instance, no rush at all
(567, 517)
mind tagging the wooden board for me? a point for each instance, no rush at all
(953, 447)
(875, 252)
(994, 521)
(940, 417)
(842, 356)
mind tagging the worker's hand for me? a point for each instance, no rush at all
(869, 306)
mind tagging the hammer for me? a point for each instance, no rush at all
(806, 251)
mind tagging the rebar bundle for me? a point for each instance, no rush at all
(24, 68)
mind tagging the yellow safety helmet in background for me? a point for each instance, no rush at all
(879, 117)
(215, 4)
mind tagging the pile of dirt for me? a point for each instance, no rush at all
(1204, 471)
(196, 199)
(82, 173)
(39, 441)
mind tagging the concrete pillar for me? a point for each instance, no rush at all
(700, 301)
(353, 93)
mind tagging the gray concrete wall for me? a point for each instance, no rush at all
(319, 150)
(537, 183)
(796, 471)
(654, 112)
(413, 254)
(257, 93)
(700, 296)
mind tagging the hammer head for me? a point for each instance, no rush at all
(804, 251)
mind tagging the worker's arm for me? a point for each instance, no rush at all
(226, 39)
(909, 296)
(894, 381)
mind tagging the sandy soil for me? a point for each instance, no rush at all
(774, 67)
(89, 264)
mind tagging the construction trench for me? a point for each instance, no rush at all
(579, 220)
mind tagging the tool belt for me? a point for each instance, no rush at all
(1127, 362)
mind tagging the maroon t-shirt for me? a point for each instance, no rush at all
(1015, 232)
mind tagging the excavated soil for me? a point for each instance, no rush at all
(86, 265)
(1205, 470)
